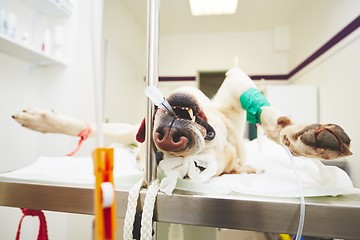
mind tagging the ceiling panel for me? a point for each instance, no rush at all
(175, 16)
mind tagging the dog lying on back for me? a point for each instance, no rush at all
(207, 130)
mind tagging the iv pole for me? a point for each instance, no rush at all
(152, 46)
(151, 79)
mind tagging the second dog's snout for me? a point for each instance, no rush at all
(170, 139)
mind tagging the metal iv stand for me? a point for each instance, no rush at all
(152, 47)
(152, 76)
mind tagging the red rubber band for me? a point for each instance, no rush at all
(43, 234)
(83, 135)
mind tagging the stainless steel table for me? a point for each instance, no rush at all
(328, 217)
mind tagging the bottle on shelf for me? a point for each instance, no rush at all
(46, 45)
(11, 21)
(58, 42)
(2, 21)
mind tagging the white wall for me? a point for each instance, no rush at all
(185, 55)
(125, 65)
(323, 19)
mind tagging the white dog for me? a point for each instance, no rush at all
(207, 134)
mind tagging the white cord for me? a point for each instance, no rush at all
(131, 209)
(302, 198)
(148, 211)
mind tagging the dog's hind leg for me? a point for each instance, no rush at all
(323, 141)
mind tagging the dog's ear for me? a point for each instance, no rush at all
(140, 136)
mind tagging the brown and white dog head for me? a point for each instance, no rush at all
(192, 130)
(189, 131)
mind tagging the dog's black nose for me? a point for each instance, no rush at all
(170, 139)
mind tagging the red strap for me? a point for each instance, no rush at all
(43, 234)
(83, 135)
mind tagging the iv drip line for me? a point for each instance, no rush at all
(158, 99)
(302, 198)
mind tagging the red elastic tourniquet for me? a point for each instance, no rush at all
(83, 135)
(43, 234)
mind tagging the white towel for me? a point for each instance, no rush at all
(277, 180)
(179, 167)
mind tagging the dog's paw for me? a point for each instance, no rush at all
(37, 119)
(246, 169)
(326, 141)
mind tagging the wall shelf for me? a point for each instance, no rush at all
(50, 7)
(13, 48)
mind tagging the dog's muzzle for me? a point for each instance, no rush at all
(176, 134)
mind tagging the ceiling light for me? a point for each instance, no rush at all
(212, 7)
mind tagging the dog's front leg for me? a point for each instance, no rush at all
(49, 121)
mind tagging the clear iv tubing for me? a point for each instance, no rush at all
(96, 50)
(158, 98)
(302, 198)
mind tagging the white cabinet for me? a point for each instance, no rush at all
(16, 49)
(51, 7)
(32, 52)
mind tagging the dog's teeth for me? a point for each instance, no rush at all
(191, 113)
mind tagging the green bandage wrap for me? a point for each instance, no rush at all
(252, 100)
